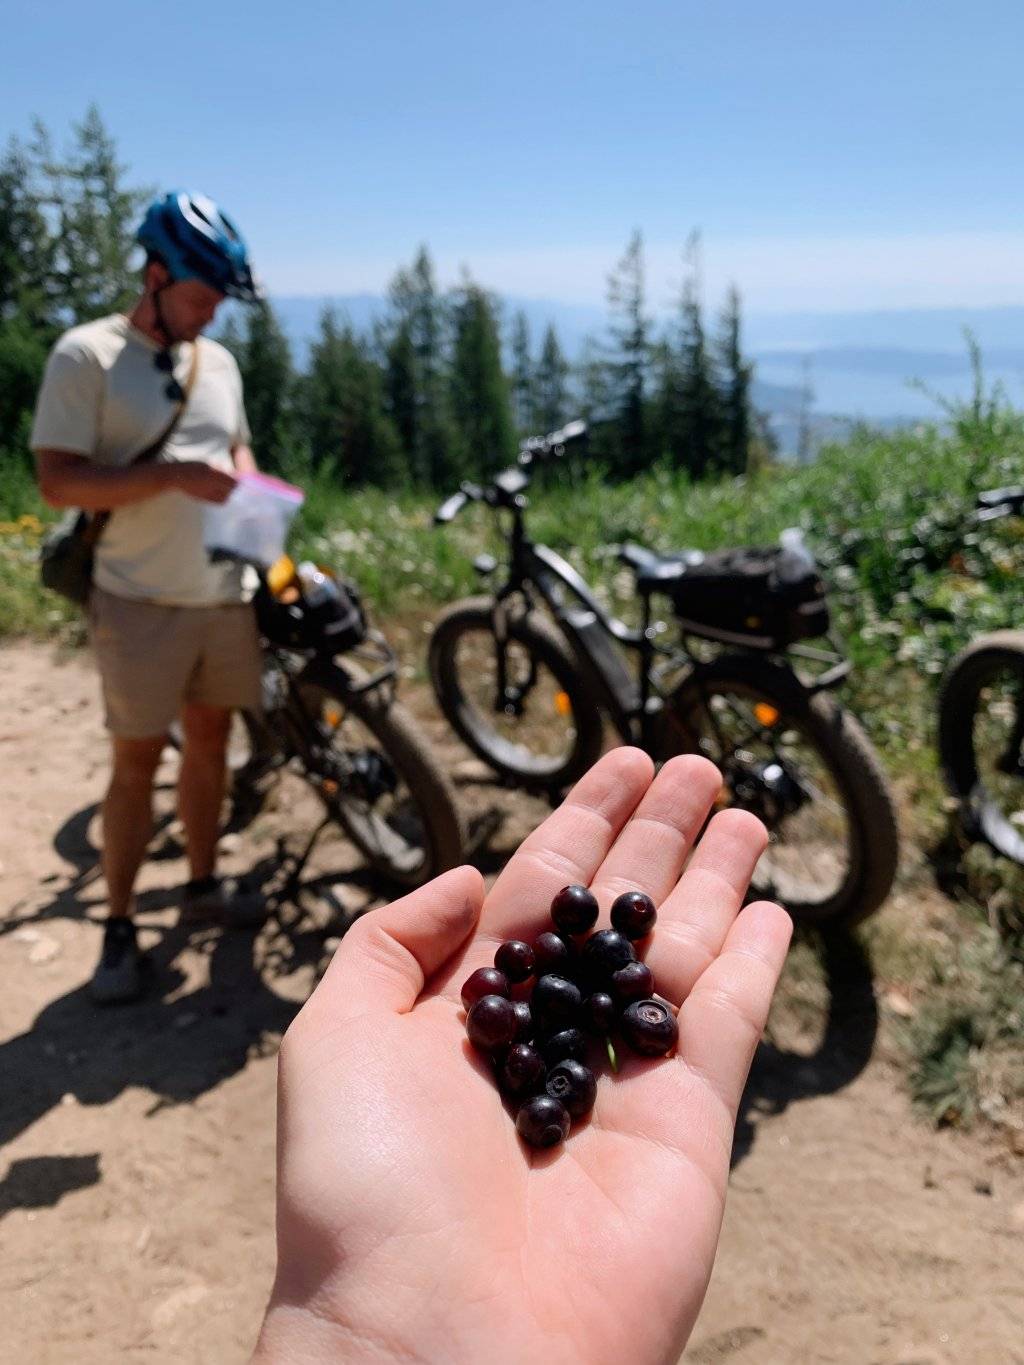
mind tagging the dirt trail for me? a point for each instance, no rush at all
(136, 1146)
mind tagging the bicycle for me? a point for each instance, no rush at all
(330, 715)
(529, 693)
(981, 719)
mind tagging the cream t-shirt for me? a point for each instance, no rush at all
(103, 397)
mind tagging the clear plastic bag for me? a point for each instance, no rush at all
(253, 523)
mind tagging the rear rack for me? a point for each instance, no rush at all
(374, 649)
(833, 662)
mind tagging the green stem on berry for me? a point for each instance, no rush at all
(612, 1058)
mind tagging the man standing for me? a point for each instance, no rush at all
(172, 634)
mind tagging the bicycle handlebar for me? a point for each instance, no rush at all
(552, 444)
(450, 508)
(999, 502)
(509, 483)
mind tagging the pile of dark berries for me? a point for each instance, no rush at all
(543, 1011)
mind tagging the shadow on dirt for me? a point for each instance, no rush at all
(779, 1078)
(41, 1182)
(212, 1001)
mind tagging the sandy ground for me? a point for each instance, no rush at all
(136, 1146)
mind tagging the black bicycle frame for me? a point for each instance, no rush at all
(591, 630)
(633, 704)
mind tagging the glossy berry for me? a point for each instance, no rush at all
(484, 981)
(599, 1013)
(649, 1027)
(604, 953)
(574, 1085)
(491, 1023)
(515, 959)
(634, 981)
(574, 910)
(543, 1121)
(551, 954)
(555, 1001)
(567, 1044)
(521, 1072)
(633, 914)
(524, 1021)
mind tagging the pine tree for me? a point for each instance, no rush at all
(551, 384)
(27, 324)
(416, 388)
(265, 363)
(522, 377)
(630, 359)
(479, 389)
(598, 395)
(343, 415)
(696, 430)
(23, 350)
(400, 399)
(26, 245)
(666, 422)
(95, 219)
(737, 374)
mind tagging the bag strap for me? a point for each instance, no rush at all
(98, 522)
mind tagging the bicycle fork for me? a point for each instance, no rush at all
(508, 700)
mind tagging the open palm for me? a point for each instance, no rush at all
(413, 1223)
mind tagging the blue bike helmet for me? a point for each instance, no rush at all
(196, 241)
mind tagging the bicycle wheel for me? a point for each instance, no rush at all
(805, 767)
(378, 779)
(981, 728)
(547, 731)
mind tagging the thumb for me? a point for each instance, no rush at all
(388, 954)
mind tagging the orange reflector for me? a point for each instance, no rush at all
(562, 704)
(281, 575)
(766, 715)
(332, 715)
(329, 787)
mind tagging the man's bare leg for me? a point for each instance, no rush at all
(200, 794)
(201, 783)
(128, 817)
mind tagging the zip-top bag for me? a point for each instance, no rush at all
(67, 553)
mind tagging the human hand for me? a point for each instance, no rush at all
(413, 1223)
(200, 480)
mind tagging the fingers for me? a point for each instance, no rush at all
(650, 852)
(569, 846)
(388, 954)
(696, 916)
(724, 1015)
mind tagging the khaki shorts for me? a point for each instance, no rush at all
(154, 658)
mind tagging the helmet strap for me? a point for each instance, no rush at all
(161, 321)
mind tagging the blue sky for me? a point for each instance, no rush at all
(833, 156)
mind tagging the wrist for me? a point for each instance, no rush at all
(300, 1332)
(381, 1319)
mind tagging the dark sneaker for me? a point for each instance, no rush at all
(118, 974)
(225, 900)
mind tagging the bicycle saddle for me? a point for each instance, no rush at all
(653, 571)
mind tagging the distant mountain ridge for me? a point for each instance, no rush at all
(857, 366)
